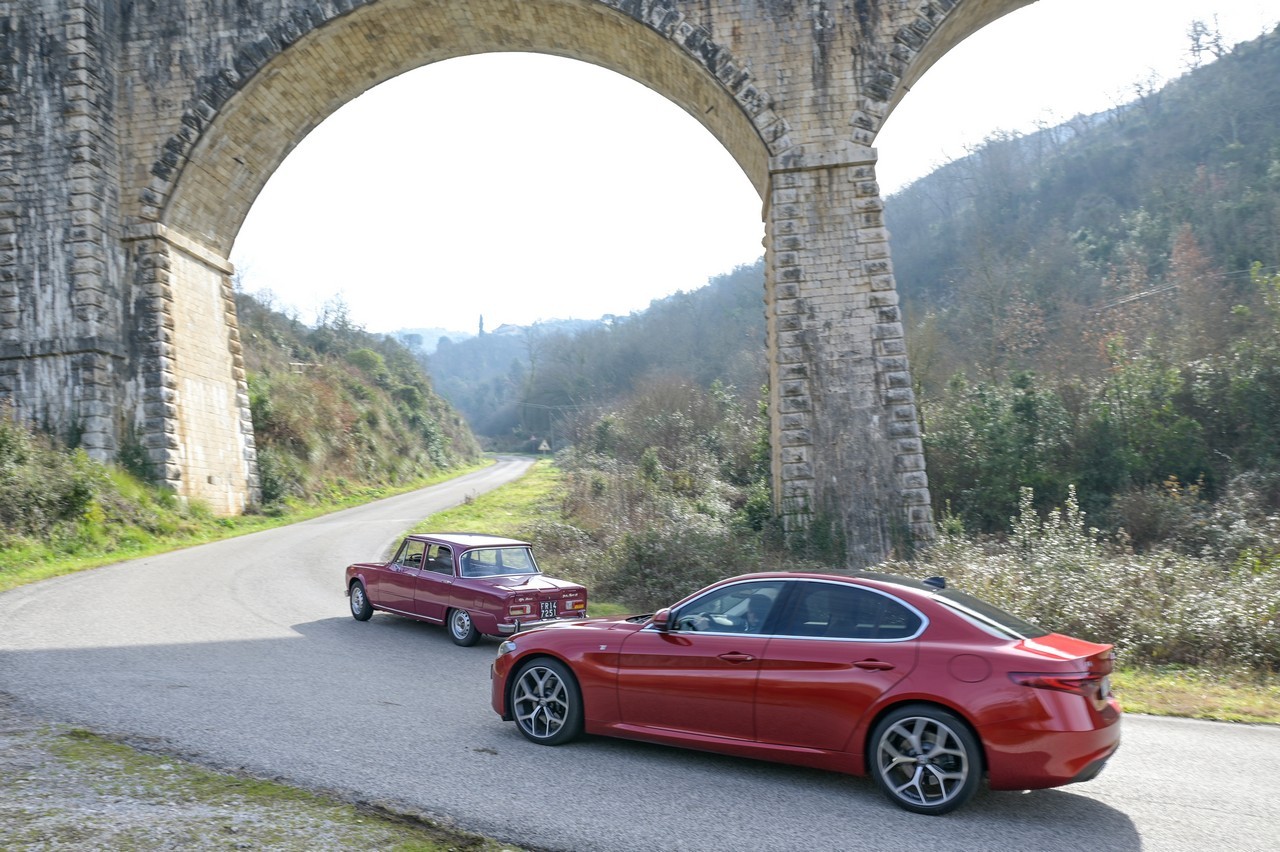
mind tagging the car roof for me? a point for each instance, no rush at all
(464, 541)
(885, 582)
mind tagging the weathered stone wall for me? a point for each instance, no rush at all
(840, 380)
(62, 355)
(135, 134)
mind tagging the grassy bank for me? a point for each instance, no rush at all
(157, 523)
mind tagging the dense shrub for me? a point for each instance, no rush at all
(655, 568)
(1158, 607)
(662, 495)
(1145, 443)
(57, 504)
(42, 486)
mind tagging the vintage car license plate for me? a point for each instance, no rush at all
(548, 609)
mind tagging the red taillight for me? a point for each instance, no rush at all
(520, 609)
(1080, 683)
(574, 606)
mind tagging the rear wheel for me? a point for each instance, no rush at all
(925, 759)
(361, 609)
(546, 702)
(462, 630)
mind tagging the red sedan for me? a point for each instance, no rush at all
(926, 688)
(473, 584)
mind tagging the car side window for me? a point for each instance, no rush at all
(439, 559)
(740, 608)
(478, 563)
(838, 611)
(411, 553)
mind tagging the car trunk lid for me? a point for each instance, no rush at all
(546, 597)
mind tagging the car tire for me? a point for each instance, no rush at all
(361, 609)
(925, 759)
(462, 630)
(546, 702)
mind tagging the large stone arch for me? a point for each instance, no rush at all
(276, 93)
(174, 115)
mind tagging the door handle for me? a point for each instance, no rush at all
(733, 657)
(873, 665)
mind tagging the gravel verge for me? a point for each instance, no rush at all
(67, 788)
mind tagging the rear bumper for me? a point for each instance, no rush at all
(518, 625)
(1091, 771)
(1032, 761)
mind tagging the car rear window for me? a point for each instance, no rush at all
(498, 561)
(988, 616)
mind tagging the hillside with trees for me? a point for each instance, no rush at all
(1090, 306)
(335, 407)
(520, 386)
(1094, 304)
(340, 416)
(1142, 222)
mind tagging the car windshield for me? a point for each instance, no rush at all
(498, 562)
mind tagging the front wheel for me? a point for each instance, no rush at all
(925, 759)
(462, 630)
(361, 609)
(546, 702)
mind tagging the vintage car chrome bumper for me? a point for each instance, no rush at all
(518, 625)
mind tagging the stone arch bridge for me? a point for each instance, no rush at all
(135, 135)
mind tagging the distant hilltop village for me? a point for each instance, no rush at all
(428, 339)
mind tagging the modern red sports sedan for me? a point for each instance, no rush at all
(473, 584)
(926, 688)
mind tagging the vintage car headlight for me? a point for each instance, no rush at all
(506, 646)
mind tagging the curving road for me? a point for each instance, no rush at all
(242, 653)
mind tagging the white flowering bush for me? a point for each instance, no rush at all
(1220, 607)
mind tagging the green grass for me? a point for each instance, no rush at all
(1200, 694)
(517, 505)
(24, 561)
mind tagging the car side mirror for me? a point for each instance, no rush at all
(661, 620)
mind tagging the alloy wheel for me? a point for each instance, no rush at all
(926, 762)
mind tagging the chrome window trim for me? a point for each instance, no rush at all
(414, 615)
(924, 619)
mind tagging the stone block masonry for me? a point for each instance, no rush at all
(134, 137)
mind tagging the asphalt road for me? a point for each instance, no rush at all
(242, 654)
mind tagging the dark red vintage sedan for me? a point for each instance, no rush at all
(926, 688)
(474, 584)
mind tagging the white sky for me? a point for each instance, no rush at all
(446, 193)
